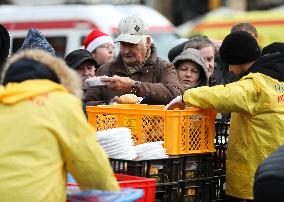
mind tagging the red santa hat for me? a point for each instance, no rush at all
(95, 39)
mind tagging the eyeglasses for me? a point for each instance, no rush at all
(106, 45)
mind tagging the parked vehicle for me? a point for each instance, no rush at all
(65, 26)
(217, 24)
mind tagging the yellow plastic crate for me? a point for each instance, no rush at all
(186, 131)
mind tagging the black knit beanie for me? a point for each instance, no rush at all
(239, 48)
(27, 69)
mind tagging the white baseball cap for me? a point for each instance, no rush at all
(131, 29)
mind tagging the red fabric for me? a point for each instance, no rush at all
(96, 33)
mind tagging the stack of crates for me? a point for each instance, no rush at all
(221, 142)
(165, 171)
(218, 181)
(190, 173)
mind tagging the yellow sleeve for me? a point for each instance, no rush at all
(239, 96)
(84, 157)
(90, 166)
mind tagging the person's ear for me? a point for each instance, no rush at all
(148, 42)
(94, 54)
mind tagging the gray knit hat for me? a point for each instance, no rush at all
(191, 54)
(35, 39)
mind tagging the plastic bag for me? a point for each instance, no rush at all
(125, 195)
(75, 195)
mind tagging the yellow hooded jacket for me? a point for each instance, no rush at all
(44, 134)
(257, 124)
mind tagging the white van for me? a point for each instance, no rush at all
(65, 26)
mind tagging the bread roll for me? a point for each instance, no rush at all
(127, 99)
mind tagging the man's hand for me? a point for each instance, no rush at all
(121, 84)
(176, 103)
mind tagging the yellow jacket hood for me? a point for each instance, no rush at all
(67, 77)
(16, 92)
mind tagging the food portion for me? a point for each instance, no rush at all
(95, 81)
(126, 99)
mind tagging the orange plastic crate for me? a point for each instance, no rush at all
(186, 131)
(147, 184)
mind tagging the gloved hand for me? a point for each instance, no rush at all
(176, 103)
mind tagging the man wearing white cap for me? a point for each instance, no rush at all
(101, 46)
(137, 69)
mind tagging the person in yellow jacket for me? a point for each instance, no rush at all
(257, 105)
(44, 133)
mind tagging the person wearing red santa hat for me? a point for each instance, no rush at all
(100, 45)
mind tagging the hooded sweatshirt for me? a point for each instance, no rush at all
(271, 64)
(44, 135)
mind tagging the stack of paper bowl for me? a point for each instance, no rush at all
(117, 143)
(150, 150)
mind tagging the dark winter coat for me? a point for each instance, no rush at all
(159, 80)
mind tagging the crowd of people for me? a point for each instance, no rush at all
(45, 94)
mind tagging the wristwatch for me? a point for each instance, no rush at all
(135, 88)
